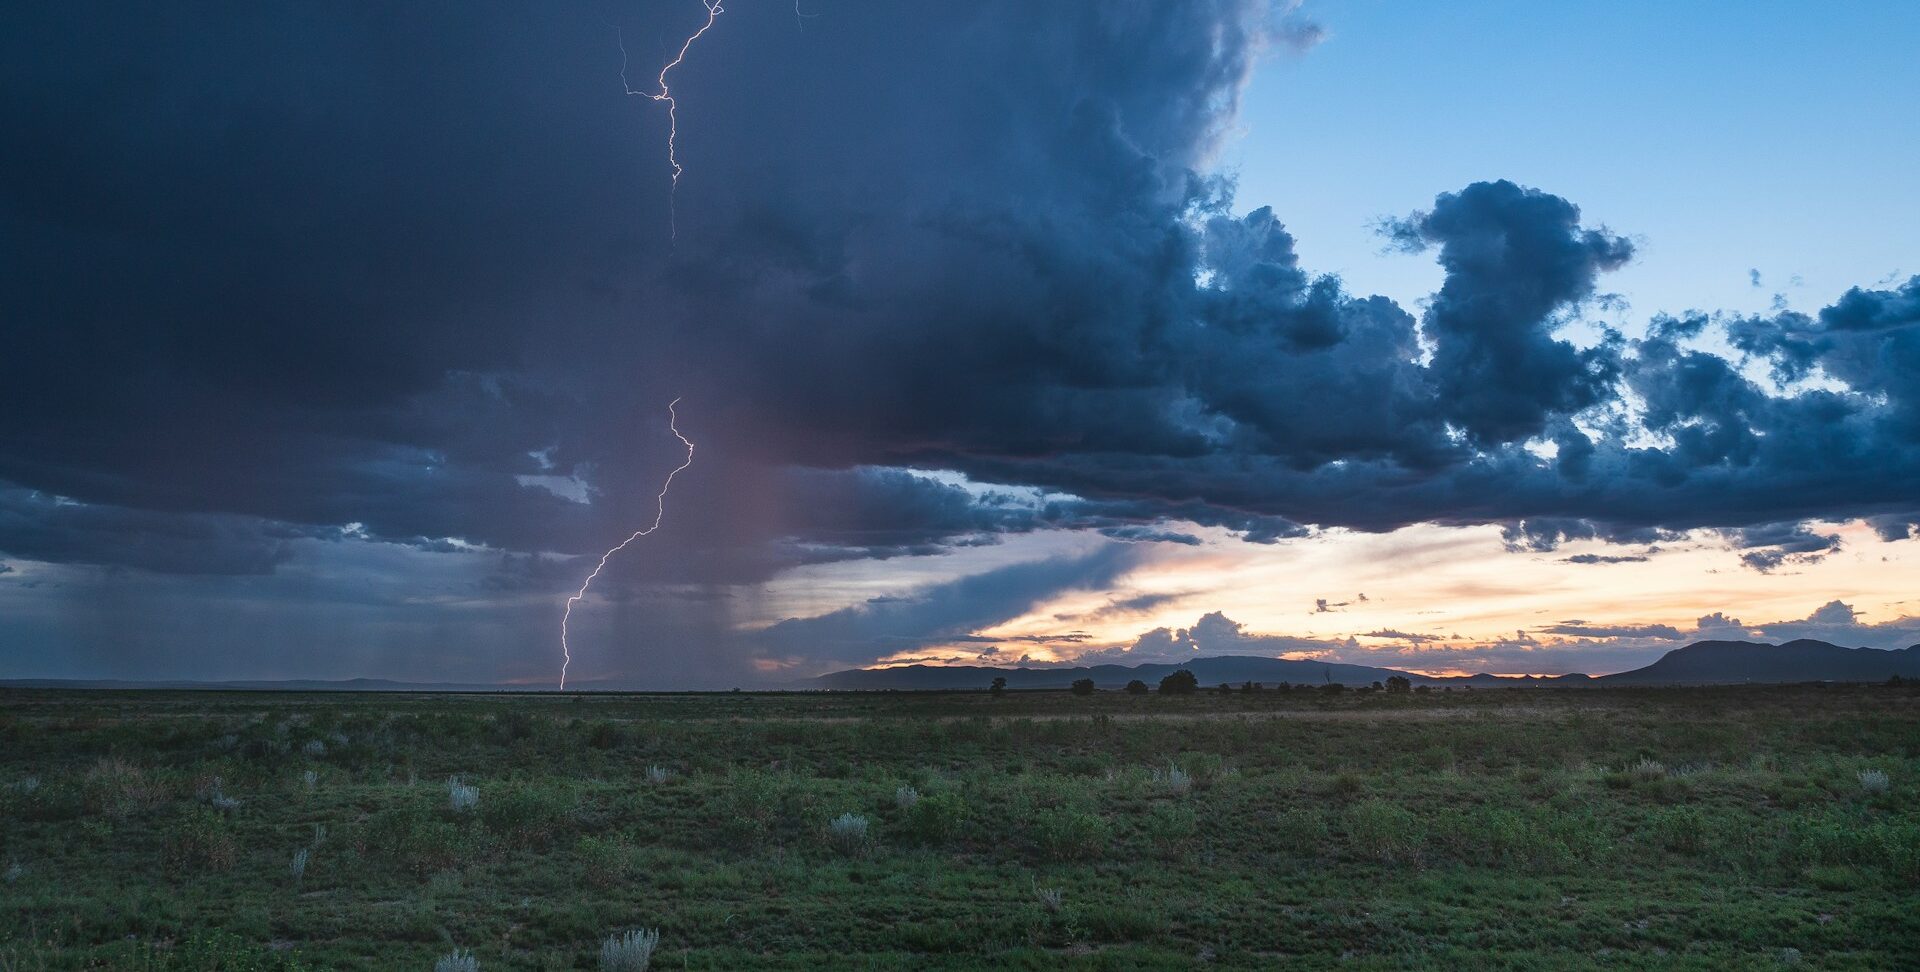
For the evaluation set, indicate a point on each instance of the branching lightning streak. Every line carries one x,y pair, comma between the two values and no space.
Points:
714,10
659,513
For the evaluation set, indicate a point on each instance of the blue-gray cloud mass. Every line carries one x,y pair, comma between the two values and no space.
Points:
342,274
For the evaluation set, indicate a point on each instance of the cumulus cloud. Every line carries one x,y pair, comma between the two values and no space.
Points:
1213,634
1568,646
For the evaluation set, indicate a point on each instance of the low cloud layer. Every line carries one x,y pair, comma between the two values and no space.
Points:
1551,649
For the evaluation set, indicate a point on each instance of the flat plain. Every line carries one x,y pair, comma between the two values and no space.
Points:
1704,828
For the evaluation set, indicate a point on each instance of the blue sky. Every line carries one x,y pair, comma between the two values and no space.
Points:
1723,137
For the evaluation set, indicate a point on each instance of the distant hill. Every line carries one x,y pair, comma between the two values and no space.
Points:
1210,671
1701,663
1806,660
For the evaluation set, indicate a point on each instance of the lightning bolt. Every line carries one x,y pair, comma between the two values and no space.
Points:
714,10
659,513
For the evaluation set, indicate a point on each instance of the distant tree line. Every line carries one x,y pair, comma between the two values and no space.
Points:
1184,682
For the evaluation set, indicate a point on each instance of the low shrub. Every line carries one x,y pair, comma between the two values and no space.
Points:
1171,828
1066,835
461,797
936,817
532,814
198,841
849,834
631,952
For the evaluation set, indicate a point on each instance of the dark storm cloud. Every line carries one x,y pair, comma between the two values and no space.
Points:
1514,257
1774,544
274,271
942,613
41,527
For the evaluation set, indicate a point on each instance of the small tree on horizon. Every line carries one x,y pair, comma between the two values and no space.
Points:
999,686
1181,682
1136,687
1083,686
1399,683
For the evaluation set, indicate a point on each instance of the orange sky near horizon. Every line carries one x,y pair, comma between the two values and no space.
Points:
1458,588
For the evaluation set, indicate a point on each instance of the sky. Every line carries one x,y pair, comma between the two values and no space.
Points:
1495,337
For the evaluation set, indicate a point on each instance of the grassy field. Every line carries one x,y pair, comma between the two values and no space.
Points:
1537,829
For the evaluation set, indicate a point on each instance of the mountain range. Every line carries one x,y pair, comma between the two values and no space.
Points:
1701,663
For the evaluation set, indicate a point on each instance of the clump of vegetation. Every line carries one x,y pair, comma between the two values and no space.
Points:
1171,828
936,817
458,960
198,841
657,775
1070,835
300,864
1050,898
905,797
631,952
848,833
1874,782
1083,686
530,813
461,797
117,789
1173,780
1180,682
1647,770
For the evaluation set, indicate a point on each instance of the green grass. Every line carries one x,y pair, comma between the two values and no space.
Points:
1515,829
